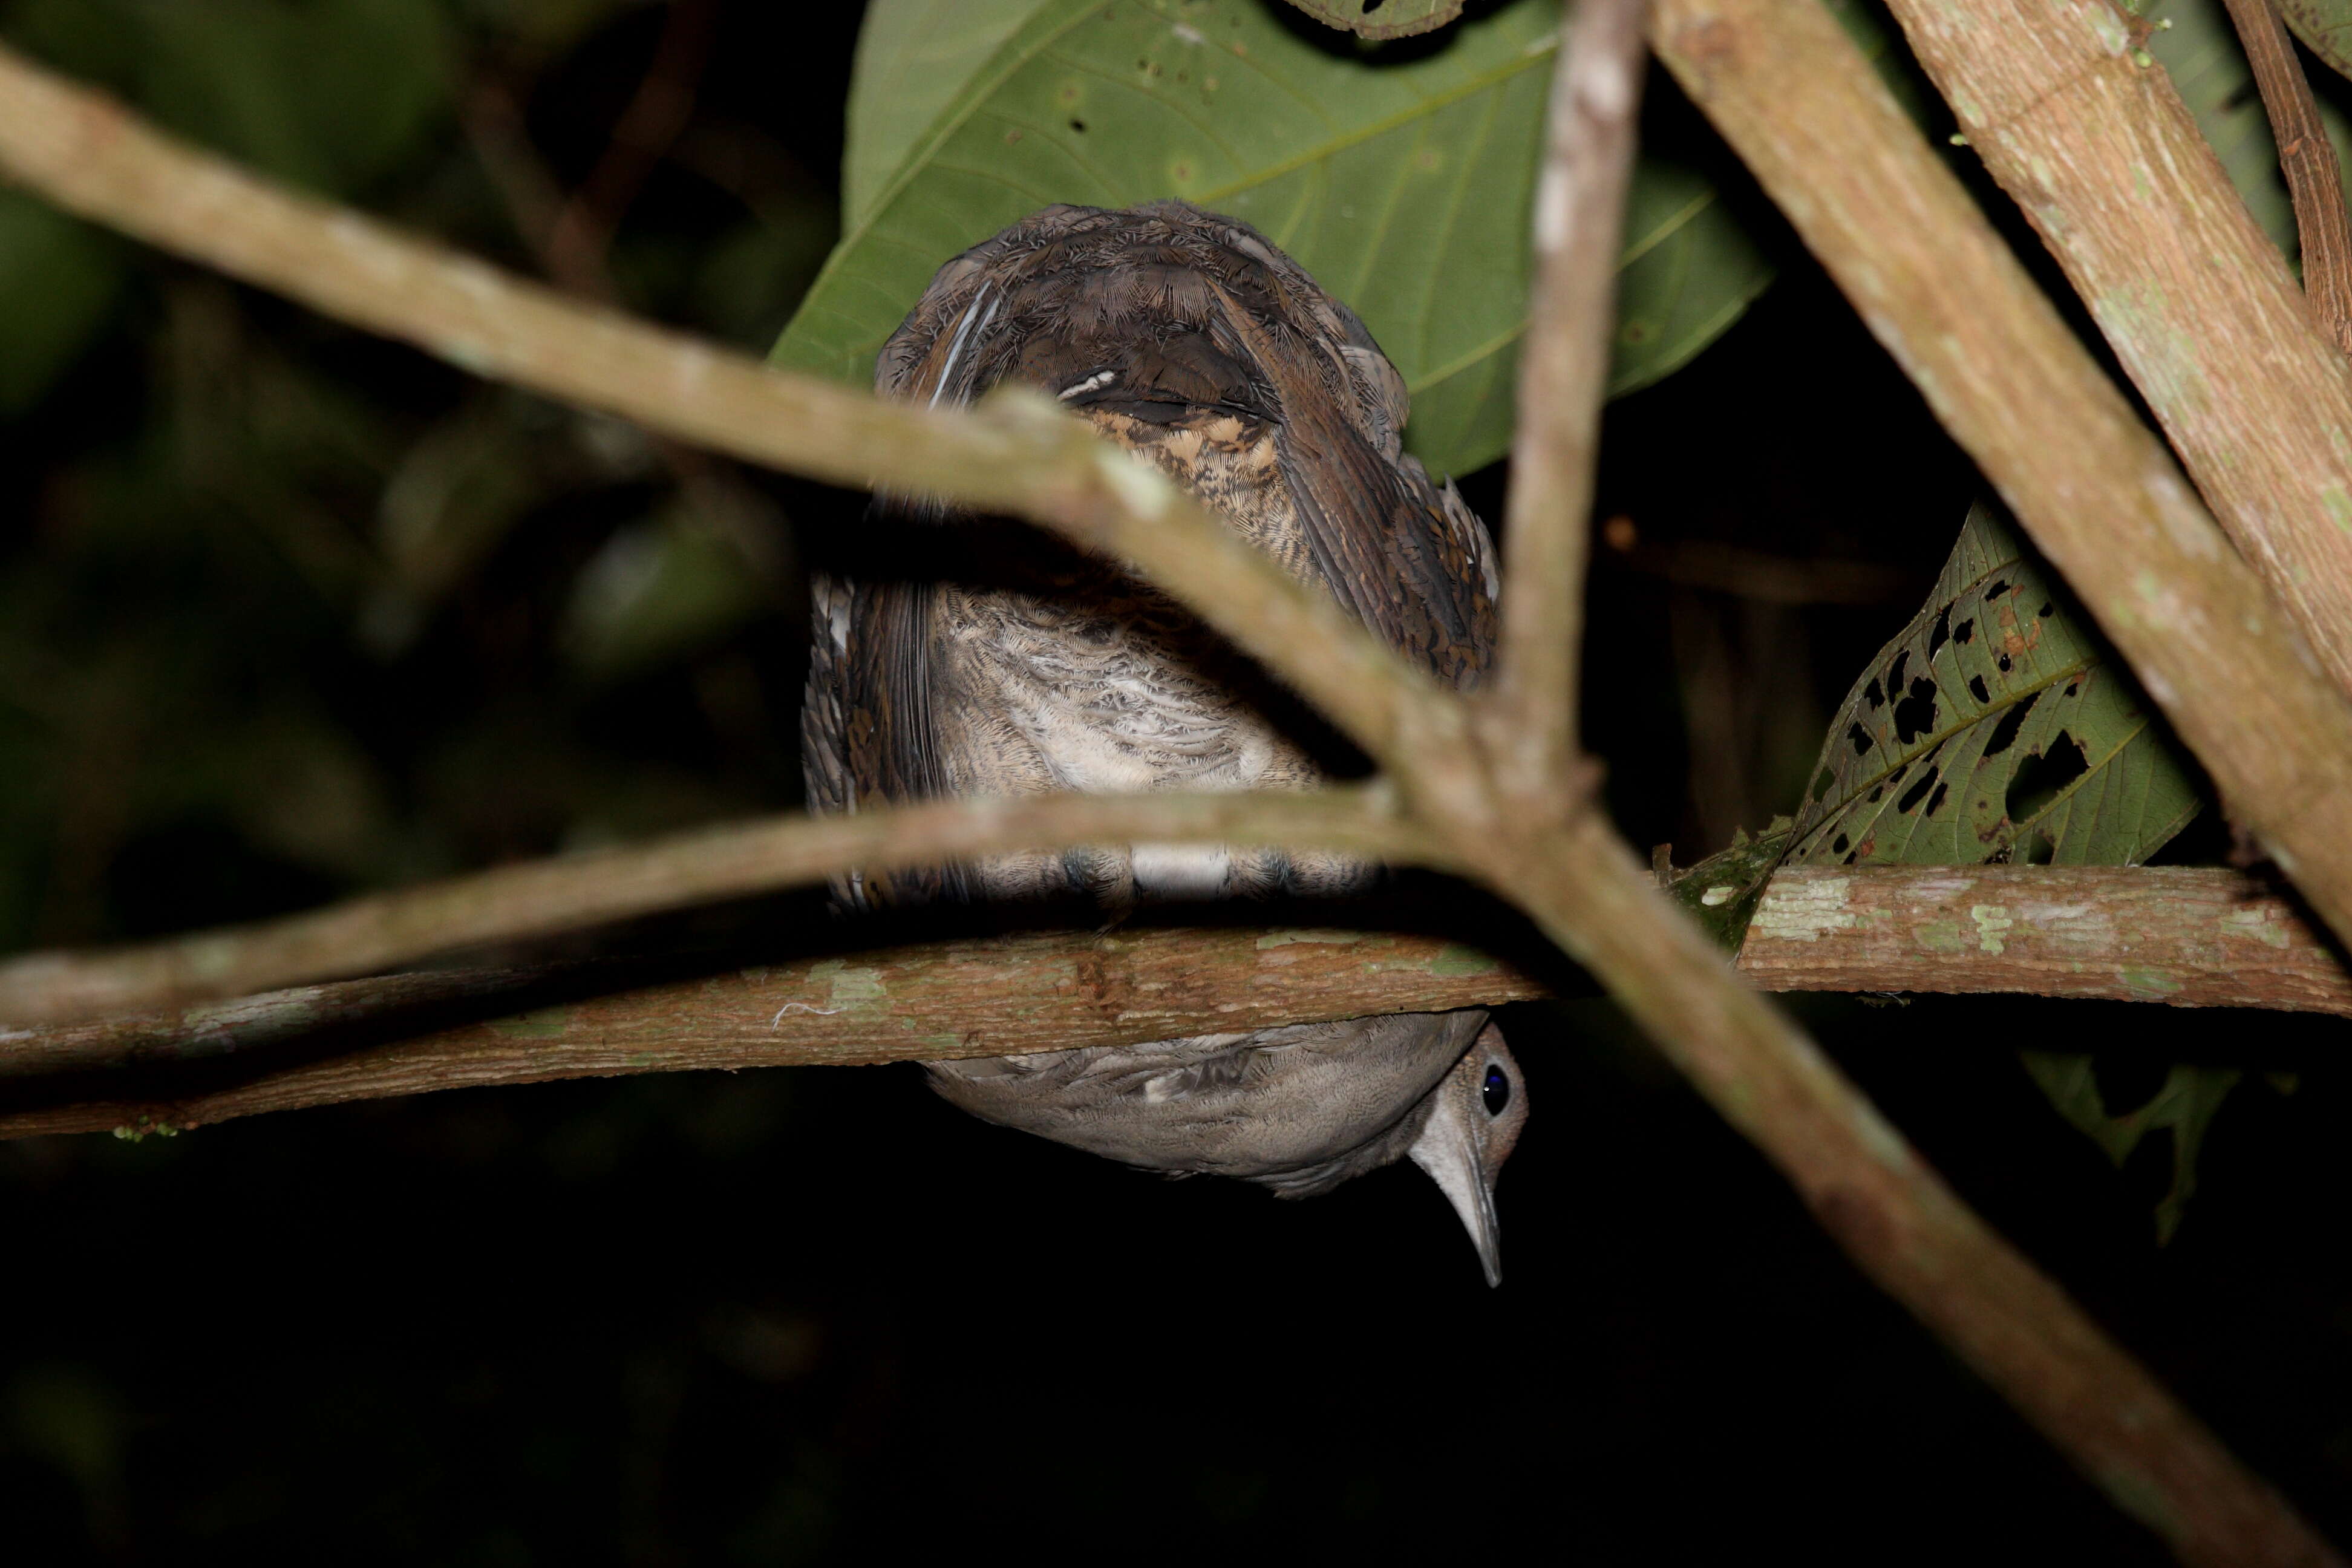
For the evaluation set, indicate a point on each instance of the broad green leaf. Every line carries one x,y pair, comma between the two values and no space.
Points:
1382,19
1995,728
2187,1103
1404,185
58,279
1999,728
913,57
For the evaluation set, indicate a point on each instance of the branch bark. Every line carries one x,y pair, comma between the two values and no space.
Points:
2087,135
2192,938
1596,94
2307,159
384,929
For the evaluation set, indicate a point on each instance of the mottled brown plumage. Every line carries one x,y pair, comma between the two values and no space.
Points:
1021,669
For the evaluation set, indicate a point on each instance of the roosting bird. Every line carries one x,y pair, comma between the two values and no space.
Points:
1021,668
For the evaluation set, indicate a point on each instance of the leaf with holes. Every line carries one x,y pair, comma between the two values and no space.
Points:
1996,727
1382,19
1402,177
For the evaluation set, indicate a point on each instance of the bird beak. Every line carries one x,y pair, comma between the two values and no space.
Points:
1449,1151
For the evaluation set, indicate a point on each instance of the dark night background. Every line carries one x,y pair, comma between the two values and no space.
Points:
784,1317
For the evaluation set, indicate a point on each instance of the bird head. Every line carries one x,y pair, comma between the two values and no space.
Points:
1475,1119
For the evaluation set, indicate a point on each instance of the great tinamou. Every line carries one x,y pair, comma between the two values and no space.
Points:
1021,667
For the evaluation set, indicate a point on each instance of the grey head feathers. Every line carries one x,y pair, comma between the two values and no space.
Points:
1018,668
1472,1123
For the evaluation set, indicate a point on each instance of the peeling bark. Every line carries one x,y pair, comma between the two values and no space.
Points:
2183,935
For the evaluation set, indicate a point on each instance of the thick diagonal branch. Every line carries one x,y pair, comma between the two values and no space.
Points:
382,930
1580,222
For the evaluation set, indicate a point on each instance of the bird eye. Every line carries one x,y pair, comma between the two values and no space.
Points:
1497,1090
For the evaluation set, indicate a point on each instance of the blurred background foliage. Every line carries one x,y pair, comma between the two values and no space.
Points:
288,613
291,612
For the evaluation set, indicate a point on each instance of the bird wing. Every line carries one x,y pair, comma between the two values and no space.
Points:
1417,570
866,720
1190,338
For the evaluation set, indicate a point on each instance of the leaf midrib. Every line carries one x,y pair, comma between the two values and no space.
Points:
1936,739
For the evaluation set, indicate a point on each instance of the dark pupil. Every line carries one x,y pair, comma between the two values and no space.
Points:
1498,1090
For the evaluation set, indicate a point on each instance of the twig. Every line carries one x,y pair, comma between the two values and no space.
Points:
2085,133
495,129
382,930
1580,216
2307,158
571,241
2192,938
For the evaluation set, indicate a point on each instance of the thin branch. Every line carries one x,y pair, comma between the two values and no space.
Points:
2192,938
383,930
2095,489
1018,453
2307,158
1563,366
2086,134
